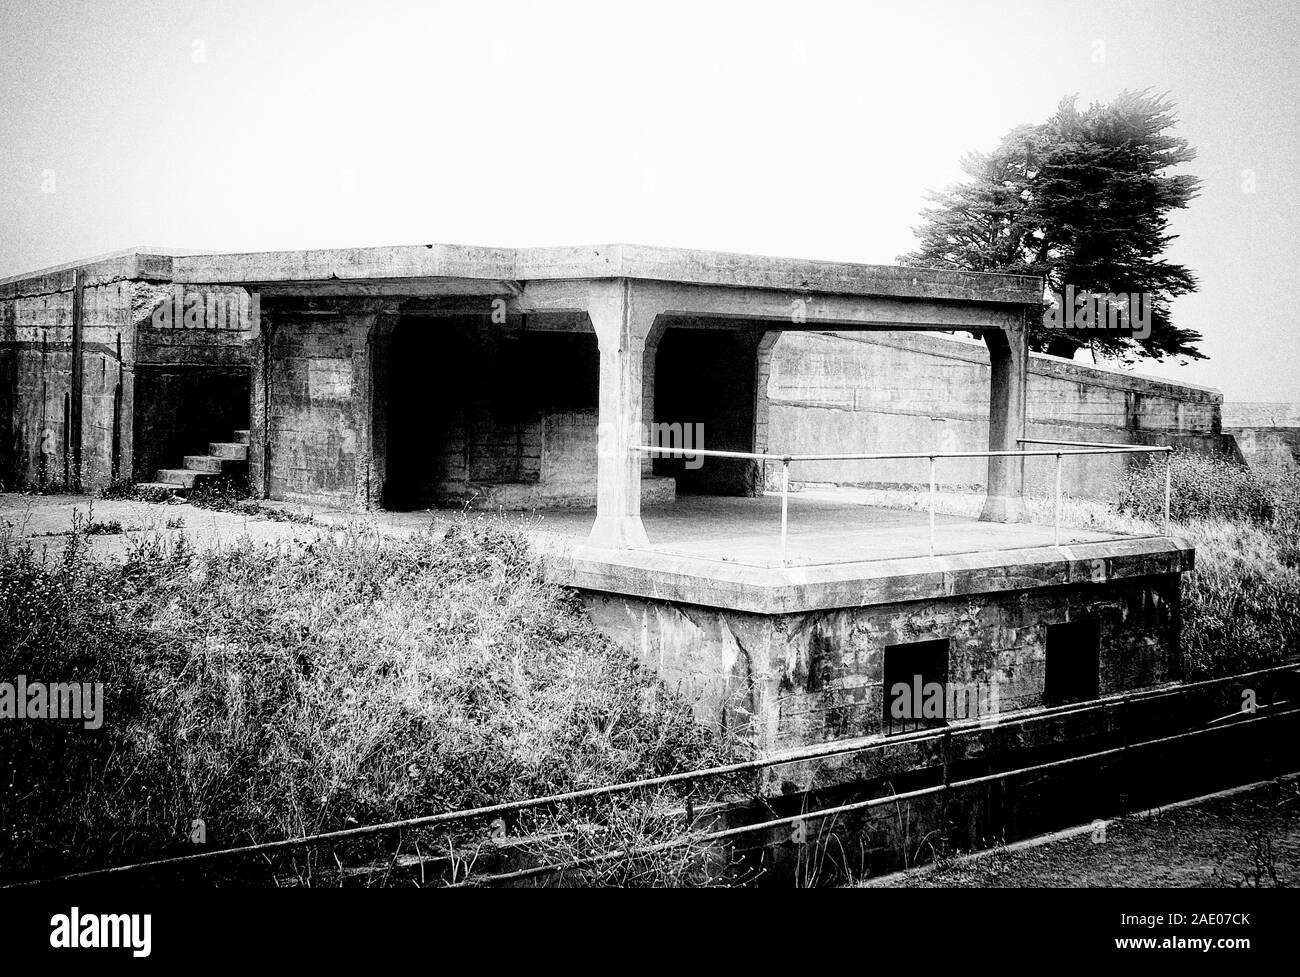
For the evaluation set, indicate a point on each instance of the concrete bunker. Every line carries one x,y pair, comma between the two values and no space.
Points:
532,378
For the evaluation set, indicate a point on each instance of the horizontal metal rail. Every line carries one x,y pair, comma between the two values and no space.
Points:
804,817
1066,448
820,751
894,455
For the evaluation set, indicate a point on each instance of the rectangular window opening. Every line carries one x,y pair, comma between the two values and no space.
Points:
916,686
1073,663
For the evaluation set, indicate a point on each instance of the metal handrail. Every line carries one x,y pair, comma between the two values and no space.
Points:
1064,448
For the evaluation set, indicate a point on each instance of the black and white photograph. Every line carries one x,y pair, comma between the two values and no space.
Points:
543,447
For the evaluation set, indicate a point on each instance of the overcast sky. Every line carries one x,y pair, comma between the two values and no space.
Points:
801,128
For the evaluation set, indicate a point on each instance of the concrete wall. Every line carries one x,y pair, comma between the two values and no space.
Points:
36,317
311,411
894,391
481,413
793,679
1266,433
124,354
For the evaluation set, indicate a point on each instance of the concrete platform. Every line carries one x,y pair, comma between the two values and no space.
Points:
784,656
825,530
825,527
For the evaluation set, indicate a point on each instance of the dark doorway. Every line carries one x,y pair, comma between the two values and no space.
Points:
179,408
704,391
471,405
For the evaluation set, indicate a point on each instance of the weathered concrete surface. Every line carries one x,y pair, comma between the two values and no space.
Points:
1266,434
385,265
660,574
46,522
827,527
306,445
168,390
327,426
788,657
895,391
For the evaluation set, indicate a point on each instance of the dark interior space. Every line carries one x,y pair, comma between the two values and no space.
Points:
1073,663
467,400
918,665
180,408
704,388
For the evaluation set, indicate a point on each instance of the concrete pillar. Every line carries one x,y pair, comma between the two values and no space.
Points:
259,408
1008,380
621,331
370,333
650,364
380,342
768,476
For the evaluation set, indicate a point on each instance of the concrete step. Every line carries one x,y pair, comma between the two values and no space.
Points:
179,476
229,450
203,463
170,488
241,437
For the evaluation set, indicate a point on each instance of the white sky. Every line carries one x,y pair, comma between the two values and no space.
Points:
804,129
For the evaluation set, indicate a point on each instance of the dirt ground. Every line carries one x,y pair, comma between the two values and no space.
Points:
1244,839
46,521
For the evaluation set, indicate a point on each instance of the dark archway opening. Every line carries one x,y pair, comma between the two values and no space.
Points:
704,397
481,413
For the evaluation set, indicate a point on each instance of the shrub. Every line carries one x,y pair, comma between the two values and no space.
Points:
1202,487
1241,603
280,691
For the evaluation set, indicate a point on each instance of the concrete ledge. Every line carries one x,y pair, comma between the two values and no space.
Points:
434,261
102,270
660,576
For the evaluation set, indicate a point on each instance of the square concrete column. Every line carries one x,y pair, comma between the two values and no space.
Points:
621,331
370,334
260,338
1008,381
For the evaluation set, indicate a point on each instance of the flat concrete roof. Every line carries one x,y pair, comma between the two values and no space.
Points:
412,264
604,261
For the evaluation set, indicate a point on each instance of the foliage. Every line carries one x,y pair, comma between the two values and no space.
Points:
1082,199
276,691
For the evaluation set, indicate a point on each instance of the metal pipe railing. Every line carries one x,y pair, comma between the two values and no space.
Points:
1063,448
1165,449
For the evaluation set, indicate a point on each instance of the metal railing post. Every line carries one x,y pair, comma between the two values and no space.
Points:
932,505
1169,470
785,506
1056,518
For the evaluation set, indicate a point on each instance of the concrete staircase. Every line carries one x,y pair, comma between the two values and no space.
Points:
225,459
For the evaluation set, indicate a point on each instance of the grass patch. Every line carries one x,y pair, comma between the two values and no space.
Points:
1241,603
276,691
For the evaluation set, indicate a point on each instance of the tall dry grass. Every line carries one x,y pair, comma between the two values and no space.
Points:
280,691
